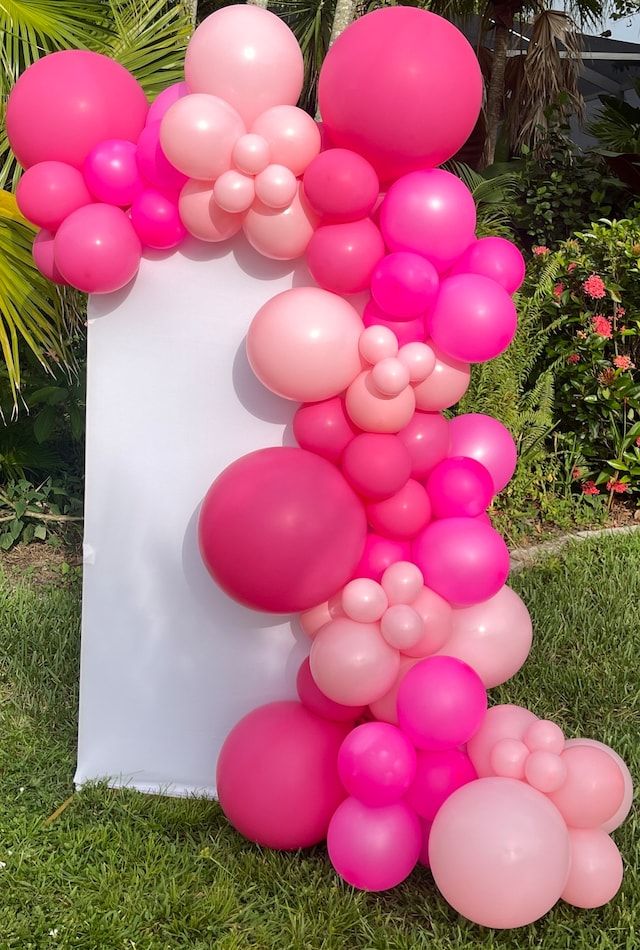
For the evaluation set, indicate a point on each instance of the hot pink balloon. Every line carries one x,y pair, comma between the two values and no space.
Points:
427,440
97,250
280,234
437,616
594,788
324,428
596,869
351,662
341,185
402,515
49,192
153,164
197,134
292,135
234,192
111,172
364,600
342,257
459,487
202,217
504,721
376,764
627,800
276,186
156,220
486,440
404,285
44,257
438,775
371,410
406,331
316,702
378,554
424,851
474,319
446,385
376,465
165,100
496,258
385,709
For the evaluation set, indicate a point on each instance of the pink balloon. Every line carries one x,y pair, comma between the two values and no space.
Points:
486,440
303,344
67,102
364,600
402,87
376,465
402,515
374,849
390,376
462,559
371,410
324,428
438,775
404,285
426,438
111,172
544,736
280,234
402,582
165,100
429,212
276,186
441,703
459,488
197,134
424,851
153,164
496,258
156,220
44,259
234,192
437,617
316,617
49,192
508,758
292,135
97,250
474,319
593,790
447,383
342,257
280,530
378,343
494,637
545,771
499,852
202,217
386,708
376,764
251,154
501,722
351,663
402,626
627,800
405,331
420,360
378,554
596,869
316,702
294,753
341,185
247,56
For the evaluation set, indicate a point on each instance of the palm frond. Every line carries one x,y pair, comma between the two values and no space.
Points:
494,198
617,126
311,22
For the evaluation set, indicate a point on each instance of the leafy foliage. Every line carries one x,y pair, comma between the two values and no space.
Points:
29,512
494,197
617,125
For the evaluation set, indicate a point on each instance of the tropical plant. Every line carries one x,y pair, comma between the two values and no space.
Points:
494,196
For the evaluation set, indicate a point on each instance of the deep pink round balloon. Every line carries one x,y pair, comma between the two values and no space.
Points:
462,559
496,258
376,763
156,220
281,530
324,428
376,464
441,703
404,285
426,438
406,331
111,172
44,258
277,776
164,100
379,553
342,257
153,164
341,185
49,192
438,775
486,440
402,87
97,250
402,515
459,488
474,319
312,697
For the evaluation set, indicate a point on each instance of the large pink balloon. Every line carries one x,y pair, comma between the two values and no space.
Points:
315,700
500,852
438,775
67,102
426,438
351,662
49,192
202,217
281,530
247,56
593,790
403,514
596,868
277,777
197,134
282,234
342,257
97,250
376,763
486,440
341,185
404,285
447,383
474,319
459,487
493,257
402,87
324,428
303,344
627,800
376,464
504,721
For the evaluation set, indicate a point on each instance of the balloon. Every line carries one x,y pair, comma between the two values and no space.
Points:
351,663
251,154
402,515
594,788
378,554
378,343
67,102
419,359
405,331
316,617
277,778
111,172
436,616
376,764
165,100
197,134
499,852
426,438
474,319
276,186
446,385
316,702
342,257
234,192
545,771
430,212
486,440
438,775
280,530
463,560
402,626
508,758
44,259
364,600
390,376
504,721
625,806
496,258
404,285
303,344
424,851
441,703
544,736
292,135
372,411
247,56
202,217
494,637
49,192
153,164
156,220
97,250
402,582
324,428
376,465
280,234
402,87
459,488
596,868
385,708
374,849
341,185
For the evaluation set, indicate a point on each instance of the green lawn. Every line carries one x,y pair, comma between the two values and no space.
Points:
120,870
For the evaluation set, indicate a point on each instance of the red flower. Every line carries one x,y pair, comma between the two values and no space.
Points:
623,362
601,326
573,358
594,287
558,290
571,267
539,250
576,473
620,312
618,488
590,488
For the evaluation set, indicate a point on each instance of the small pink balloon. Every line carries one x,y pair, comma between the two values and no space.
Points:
316,702
436,615
378,343
426,438
404,285
486,440
341,185
424,851
198,133
370,410
627,800
282,234
496,258
545,771
593,790
251,154
596,869
49,192
385,709
438,775
324,428
364,600
405,331
390,376
97,250
474,319
376,764
203,217
402,626
111,172
164,100
402,582
316,617
459,488
43,256
402,515
234,192
379,553
445,386
508,758
153,164
419,359
276,186
292,135
342,257
544,736
351,663
504,721
156,220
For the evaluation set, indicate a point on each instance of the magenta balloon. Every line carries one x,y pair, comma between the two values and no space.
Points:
97,250
44,257
438,775
403,515
441,703
406,331
627,801
486,440
404,285
277,777
376,464
341,185
504,721
153,164
431,213
374,849
156,220
316,702
378,554
111,172
596,869
474,319
163,102
496,258
342,257
402,87
463,560
593,790
66,103
324,428
376,763
459,488
426,438
49,192
280,530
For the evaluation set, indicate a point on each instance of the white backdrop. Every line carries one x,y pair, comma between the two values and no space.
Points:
169,663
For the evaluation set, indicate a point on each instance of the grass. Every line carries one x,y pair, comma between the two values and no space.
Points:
120,871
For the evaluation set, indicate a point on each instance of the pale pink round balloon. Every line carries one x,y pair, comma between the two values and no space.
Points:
293,136
596,868
43,256
251,154
364,600
386,708
445,386
373,412
317,617
545,771
203,217
390,376
504,721
97,250
303,344
496,258
485,439
378,343
627,801
276,186
508,758
594,788
419,359
281,234
49,192
402,582
426,438
234,192
402,626
351,662
198,133
436,615
544,736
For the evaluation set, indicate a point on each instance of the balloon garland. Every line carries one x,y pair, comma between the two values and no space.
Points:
375,530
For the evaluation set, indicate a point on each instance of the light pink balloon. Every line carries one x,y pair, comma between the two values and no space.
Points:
508,758
419,359
504,721
341,185
97,250
378,554
314,700
378,343
370,410
316,617
198,133
627,801
545,771
282,235
403,514
544,736
43,256
303,344
485,439
402,626
153,164
594,788
111,172
165,100
48,192
364,600
436,615
234,192
426,438
293,136
251,154
342,257
405,331
376,763
386,708
500,853
596,868
390,376
276,186
402,582
496,258
156,220
202,217
445,386
351,663
473,319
